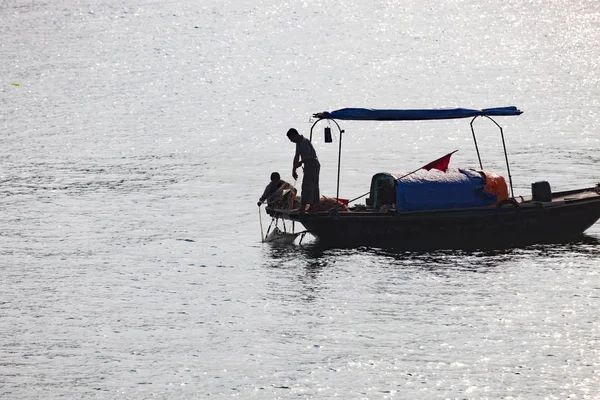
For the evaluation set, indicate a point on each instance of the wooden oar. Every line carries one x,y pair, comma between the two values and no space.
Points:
262,235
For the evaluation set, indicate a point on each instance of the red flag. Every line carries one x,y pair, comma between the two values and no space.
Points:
441,163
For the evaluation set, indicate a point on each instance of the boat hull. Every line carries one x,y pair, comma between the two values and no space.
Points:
511,224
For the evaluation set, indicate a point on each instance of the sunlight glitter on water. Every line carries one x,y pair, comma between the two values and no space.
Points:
139,137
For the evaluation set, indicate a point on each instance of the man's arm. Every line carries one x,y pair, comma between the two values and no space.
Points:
265,195
296,164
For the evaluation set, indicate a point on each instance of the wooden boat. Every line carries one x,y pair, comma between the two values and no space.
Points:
540,217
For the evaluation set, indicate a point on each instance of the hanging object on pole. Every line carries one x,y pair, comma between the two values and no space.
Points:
328,138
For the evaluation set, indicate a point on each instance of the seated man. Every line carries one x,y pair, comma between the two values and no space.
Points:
278,193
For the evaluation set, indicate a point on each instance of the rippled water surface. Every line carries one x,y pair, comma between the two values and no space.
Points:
137,137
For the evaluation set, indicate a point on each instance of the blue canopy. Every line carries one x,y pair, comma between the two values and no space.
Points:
368,114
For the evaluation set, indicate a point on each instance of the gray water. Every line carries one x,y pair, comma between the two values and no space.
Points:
138,136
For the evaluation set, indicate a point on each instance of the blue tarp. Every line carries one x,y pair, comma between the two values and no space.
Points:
436,190
368,114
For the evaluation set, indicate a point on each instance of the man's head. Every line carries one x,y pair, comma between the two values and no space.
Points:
275,177
293,135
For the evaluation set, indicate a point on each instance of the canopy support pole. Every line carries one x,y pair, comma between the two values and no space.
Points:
512,192
337,192
475,140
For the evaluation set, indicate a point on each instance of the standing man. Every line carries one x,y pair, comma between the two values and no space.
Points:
306,155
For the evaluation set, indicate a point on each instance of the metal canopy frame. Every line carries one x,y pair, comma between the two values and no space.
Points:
324,116
503,146
341,131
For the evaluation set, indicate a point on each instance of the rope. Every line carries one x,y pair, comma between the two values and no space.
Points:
293,195
356,198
